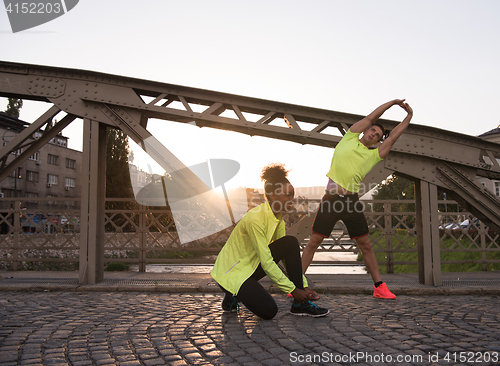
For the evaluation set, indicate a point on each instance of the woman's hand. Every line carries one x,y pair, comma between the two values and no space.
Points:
313,294
302,296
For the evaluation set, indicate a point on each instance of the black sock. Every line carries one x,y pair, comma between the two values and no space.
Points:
379,283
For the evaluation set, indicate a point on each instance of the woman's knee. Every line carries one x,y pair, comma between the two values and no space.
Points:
269,312
293,242
284,246
289,241
263,306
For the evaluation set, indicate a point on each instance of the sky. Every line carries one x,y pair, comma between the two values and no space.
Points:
347,56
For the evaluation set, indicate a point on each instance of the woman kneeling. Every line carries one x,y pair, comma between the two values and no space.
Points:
256,245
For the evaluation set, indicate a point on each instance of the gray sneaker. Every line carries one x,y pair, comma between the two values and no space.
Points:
308,309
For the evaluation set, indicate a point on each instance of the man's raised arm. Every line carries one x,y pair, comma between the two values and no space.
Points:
386,146
366,122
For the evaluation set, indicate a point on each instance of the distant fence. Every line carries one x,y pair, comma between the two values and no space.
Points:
49,238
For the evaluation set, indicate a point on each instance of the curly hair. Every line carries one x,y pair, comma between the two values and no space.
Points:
274,177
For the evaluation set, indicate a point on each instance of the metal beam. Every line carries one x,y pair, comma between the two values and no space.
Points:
429,261
28,132
93,203
35,146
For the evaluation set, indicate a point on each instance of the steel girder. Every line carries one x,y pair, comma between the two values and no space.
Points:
104,98
128,103
24,141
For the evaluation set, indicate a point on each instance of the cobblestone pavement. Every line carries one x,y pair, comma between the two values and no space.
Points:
134,328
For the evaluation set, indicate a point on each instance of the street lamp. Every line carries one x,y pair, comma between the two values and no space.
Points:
15,156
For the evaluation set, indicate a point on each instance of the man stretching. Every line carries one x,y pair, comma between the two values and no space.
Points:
352,160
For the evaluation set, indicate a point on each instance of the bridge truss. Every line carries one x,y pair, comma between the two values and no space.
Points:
429,156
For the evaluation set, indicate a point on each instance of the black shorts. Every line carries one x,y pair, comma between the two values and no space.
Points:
347,208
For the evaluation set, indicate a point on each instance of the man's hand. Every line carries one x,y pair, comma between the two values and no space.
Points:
366,122
402,104
407,108
399,102
386,146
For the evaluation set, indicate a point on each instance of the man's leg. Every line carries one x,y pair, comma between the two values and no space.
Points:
369,258
325,220
380,289
307,255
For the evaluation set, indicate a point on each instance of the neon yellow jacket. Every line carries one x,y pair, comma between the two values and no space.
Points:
247,246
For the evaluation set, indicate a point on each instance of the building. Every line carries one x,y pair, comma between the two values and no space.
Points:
138,177
53,171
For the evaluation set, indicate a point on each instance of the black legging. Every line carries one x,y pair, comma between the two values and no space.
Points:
254,296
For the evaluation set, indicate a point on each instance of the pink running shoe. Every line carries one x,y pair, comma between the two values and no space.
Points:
382,292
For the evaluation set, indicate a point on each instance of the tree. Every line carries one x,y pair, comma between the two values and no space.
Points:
14,107
396,188
118,184
399,188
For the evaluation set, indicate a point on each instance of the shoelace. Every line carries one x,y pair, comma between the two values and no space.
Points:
234,304
312,305
307,304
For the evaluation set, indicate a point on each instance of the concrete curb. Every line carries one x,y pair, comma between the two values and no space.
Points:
428,291
454,284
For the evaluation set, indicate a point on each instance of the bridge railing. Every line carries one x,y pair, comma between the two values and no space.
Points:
49,238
